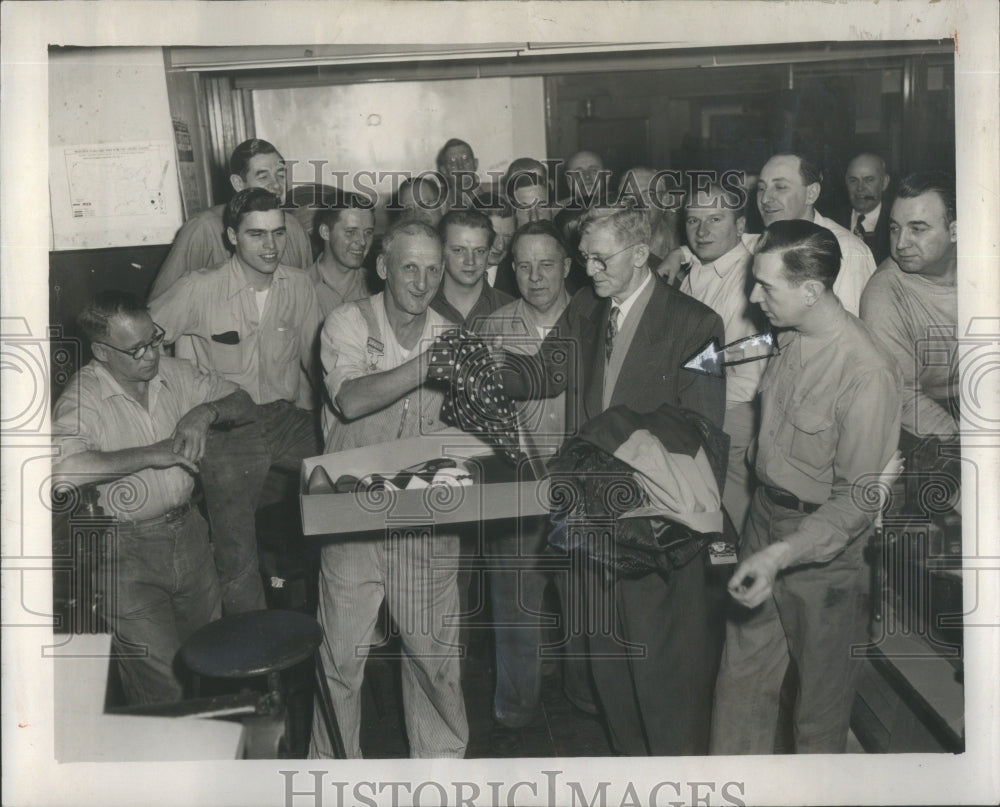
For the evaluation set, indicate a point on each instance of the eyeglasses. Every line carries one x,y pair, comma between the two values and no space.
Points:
602,263
140,351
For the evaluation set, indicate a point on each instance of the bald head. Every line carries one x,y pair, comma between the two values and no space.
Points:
866,180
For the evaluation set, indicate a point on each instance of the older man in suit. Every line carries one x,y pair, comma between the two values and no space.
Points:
868,214
633,335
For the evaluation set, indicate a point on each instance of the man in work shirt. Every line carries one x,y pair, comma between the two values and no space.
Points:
829,422
254,321
464,295
138,421
718,277
347,231
371,351
541,264
201,242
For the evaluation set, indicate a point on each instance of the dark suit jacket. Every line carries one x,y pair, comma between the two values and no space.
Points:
877,241
674,327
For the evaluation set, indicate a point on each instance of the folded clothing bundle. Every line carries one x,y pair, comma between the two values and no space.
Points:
440,471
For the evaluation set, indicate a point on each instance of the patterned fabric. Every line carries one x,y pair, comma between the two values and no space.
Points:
859,226
475,401
609,339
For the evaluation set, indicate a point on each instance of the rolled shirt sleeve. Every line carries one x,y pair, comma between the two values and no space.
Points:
342,348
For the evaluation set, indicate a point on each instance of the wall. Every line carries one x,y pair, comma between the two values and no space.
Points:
126,196
399,126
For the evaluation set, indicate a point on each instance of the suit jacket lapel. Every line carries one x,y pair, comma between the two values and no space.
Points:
650,332
593,351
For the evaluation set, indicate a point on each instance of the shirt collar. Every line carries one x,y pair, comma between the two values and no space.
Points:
871,217
724,264
628,302
237,281
110,387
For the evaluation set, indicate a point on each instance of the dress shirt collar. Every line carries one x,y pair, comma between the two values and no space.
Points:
626,305
871,219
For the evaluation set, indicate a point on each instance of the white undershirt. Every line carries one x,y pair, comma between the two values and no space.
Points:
261,299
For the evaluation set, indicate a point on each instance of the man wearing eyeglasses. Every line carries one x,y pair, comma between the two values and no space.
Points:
135,424
255,321
633,335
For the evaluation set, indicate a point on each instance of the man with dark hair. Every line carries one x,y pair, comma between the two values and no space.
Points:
372,352
254,321
526,185
138,422
718,276
787,189
420,198
499,270
464,295
829,423
911,302
457,165
634,334
201,242
867,215
541,263
347,230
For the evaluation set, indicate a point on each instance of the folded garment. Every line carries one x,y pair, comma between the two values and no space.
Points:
475,401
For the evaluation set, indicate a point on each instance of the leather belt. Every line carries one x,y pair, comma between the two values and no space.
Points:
173,514
783,498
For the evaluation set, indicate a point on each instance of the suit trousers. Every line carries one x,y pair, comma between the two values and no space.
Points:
653,659
817,612
414,572
233,472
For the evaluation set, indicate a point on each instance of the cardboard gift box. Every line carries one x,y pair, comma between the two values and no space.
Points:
498,489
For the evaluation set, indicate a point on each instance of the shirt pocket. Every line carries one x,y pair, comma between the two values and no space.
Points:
228,359
812,438
284,358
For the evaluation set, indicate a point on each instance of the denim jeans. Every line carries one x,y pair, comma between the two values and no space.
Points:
164,588
233,471
517,586
816,613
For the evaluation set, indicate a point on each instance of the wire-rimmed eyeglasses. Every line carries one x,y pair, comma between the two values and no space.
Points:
602,263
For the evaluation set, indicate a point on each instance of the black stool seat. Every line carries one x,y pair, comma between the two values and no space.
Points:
252,643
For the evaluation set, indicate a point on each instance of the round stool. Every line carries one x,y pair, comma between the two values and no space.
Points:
262,643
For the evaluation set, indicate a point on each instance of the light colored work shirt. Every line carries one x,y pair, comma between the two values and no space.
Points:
329,297
349,350
268,354
96,414
830,411
723,287
201,242
544,418
915,319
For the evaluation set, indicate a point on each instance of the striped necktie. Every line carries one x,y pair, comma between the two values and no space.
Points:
609,337
859,230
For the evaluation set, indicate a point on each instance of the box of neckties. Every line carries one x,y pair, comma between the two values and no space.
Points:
441,478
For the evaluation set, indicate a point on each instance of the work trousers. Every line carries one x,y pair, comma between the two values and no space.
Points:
517,587
741,426
164,588
414,572
233,471
817,612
